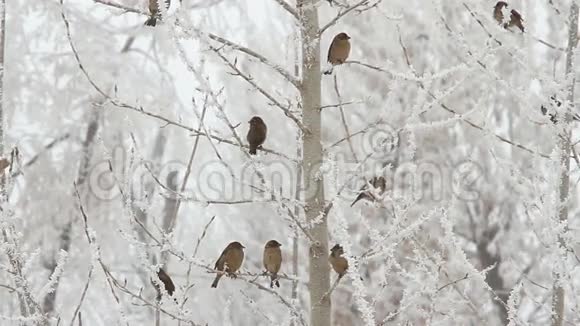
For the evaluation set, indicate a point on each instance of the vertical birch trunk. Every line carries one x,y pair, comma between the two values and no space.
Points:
312,160
558,303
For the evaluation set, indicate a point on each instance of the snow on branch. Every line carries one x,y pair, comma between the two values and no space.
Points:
288,8
345,12
258,56
261,90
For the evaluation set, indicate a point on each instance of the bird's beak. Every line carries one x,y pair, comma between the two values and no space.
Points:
348,37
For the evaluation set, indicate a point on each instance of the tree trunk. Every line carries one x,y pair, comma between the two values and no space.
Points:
312,155
565,150
2,43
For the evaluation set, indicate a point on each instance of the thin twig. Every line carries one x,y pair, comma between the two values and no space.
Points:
465,120
251,81
288,8
294,81
454,282
340,15
78,308
202,235
120,6
343,119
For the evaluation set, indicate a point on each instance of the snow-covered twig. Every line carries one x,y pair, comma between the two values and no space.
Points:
343,13
293,80
288,8
343,119
120,6
261,90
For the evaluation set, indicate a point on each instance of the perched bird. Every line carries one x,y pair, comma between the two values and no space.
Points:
497,11
368,194
229,262
338,51
257,134
554,102
167,283
273,261
515,20
4,163
339,263
155,12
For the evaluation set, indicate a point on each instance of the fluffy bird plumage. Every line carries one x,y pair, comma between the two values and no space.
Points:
378,183
338,263
155,12
257,134
229,261
167,284
515,20
273,261
498,13
338,51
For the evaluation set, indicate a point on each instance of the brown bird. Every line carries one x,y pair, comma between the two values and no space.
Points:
339,263
155,12
4,163
167,283
554,102
229,262
497,11
338,51
368,194
515,20
257,134
273,261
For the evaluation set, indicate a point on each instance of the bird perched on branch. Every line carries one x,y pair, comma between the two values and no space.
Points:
339,263
273,261
378,183
257,134
155,12
338,51
515,20
554,102
167,283
515,17
229,262
498,13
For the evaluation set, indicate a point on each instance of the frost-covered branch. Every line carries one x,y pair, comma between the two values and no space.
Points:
288,8
465,120
258,56
559,271
343,13
120,6
261,90
343,120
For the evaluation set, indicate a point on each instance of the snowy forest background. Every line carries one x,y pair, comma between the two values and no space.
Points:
127,154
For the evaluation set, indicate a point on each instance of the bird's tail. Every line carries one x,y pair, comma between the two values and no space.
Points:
253,150
152,21
359,197
274,280
215,281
